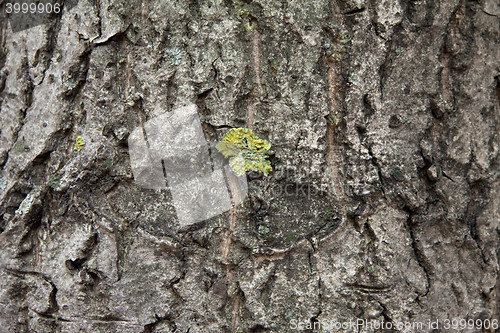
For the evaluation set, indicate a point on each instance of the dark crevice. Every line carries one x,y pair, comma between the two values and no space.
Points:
88,247
314,322
370,288
151,328
32,219
203,111
458,294
117,37
370,233
46,53
373,16
258,329
355,11
353,218
3,79
382,73
419,252
54,307
415,9
174,291
221,126
369,105
386,315
477,203
50,316
385,67
326,228
378,168
28,100
489,14
79,73
74,264
314,319
3,38
109,318
445,175
97,3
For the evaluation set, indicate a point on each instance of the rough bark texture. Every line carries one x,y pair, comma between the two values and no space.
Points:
383,202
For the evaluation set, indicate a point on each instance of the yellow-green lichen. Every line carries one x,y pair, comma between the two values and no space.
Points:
245,151
79,143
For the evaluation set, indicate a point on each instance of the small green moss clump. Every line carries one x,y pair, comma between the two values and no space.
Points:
20,147
53,182
107,164
245,152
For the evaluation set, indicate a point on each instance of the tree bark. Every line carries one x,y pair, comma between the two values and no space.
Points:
383,202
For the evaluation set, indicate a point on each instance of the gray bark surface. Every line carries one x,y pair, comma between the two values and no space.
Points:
383,202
